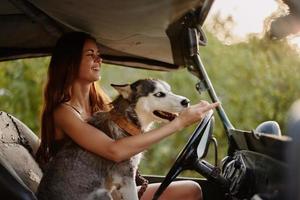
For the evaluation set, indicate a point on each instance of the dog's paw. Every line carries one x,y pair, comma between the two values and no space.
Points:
100,194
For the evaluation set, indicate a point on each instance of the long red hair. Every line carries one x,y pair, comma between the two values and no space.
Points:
62,71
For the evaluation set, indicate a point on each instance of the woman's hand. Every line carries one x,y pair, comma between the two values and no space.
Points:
194,113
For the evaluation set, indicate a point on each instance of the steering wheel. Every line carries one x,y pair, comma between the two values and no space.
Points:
188,158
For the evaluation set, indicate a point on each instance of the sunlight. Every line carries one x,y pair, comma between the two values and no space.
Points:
248,15
295,41
248,18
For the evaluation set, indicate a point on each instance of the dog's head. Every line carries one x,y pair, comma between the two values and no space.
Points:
153,100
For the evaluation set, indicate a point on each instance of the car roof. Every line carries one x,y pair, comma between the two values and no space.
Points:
135,33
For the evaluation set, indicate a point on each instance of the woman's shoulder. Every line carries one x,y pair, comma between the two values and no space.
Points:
64,112
61,109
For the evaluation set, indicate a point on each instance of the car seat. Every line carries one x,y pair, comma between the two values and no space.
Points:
19,172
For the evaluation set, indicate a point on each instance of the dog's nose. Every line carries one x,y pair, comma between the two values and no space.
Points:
185,102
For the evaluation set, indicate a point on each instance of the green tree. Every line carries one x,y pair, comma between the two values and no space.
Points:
21,84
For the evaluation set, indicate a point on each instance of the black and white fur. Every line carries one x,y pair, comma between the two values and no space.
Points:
87,176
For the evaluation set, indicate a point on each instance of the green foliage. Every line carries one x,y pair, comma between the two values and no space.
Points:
21,83
256,81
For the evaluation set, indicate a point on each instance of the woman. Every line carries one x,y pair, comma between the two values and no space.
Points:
72,96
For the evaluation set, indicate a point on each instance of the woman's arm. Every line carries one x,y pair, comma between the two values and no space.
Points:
94,140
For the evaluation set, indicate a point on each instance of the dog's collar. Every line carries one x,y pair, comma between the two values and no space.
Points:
124,124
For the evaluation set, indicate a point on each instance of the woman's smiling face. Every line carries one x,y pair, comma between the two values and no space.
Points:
89,69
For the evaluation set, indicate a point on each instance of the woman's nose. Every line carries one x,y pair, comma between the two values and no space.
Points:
98,59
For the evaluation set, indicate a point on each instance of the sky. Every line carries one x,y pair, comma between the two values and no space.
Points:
248,15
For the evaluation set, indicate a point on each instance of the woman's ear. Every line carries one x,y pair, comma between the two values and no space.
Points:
123,90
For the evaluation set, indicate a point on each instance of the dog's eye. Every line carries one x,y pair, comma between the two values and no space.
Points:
159,94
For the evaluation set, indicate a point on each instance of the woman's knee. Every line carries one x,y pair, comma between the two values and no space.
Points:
178,190
195,190
190,190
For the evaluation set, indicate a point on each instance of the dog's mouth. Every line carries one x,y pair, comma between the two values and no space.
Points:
164,115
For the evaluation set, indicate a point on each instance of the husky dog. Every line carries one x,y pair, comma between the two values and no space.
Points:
92,177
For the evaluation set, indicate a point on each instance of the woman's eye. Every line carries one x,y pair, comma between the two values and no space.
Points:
94,56
159,94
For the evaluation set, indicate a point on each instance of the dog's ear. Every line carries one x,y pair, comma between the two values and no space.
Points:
123,90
